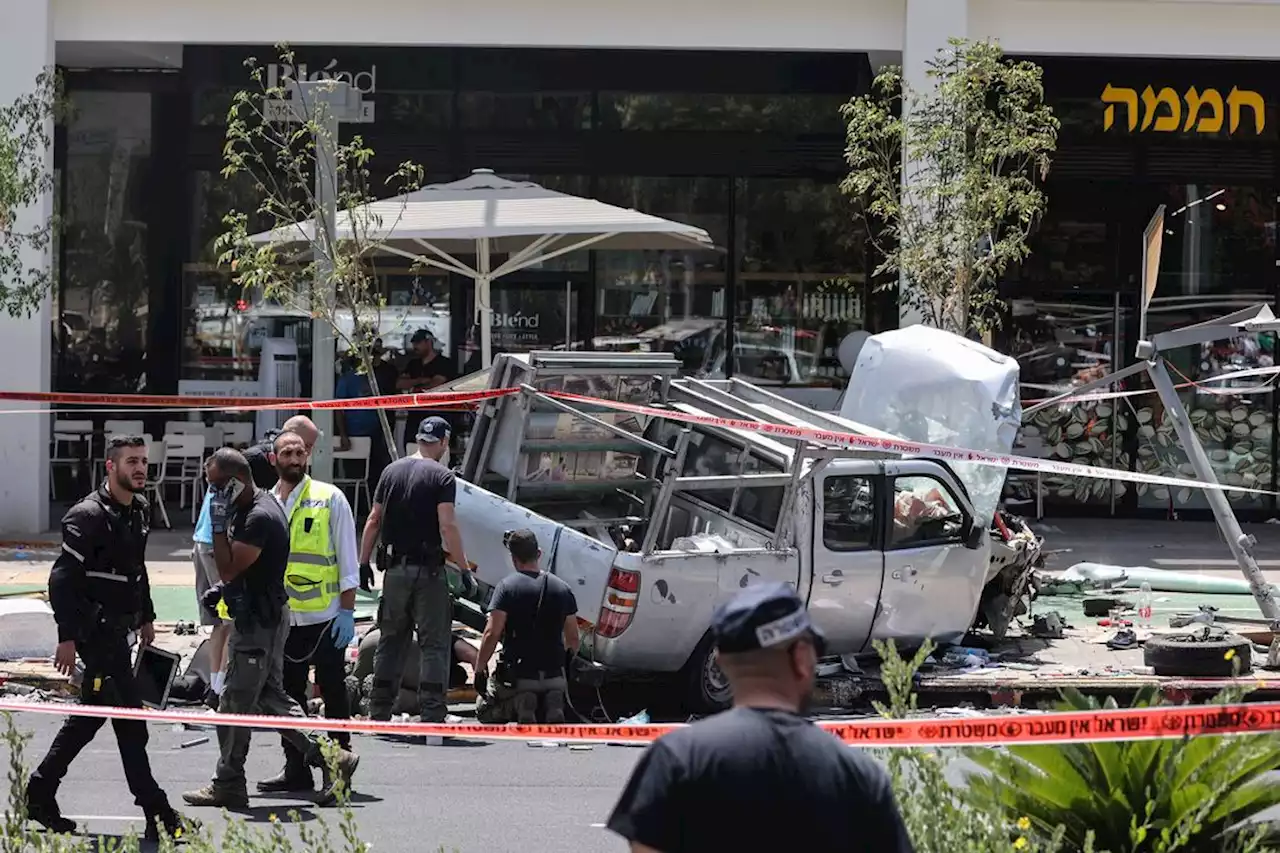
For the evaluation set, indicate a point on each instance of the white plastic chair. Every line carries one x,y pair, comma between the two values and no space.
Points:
157,461
74,439
236,433
358,455
186,452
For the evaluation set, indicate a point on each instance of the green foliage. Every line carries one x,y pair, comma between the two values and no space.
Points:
26,177
274,142
938,815
976,145
1135,796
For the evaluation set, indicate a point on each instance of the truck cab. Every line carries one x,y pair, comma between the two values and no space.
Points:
660,498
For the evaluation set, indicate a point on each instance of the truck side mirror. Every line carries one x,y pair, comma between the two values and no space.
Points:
973,538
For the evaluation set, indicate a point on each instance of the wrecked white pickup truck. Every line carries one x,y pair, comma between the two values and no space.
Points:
653,521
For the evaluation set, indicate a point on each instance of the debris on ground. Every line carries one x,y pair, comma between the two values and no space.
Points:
1049,626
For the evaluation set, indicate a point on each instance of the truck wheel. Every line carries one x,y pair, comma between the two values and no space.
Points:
1198,655
707,690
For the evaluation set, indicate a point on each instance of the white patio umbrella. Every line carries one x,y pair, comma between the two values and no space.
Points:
485,215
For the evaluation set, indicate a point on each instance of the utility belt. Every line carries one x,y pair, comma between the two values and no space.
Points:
101,622
253,608
430,557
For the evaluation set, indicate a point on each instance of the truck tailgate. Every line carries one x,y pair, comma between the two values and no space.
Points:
581,561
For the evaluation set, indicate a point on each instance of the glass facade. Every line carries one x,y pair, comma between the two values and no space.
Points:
1074,299
746,145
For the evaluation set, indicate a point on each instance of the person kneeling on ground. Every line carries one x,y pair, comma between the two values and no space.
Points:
535,615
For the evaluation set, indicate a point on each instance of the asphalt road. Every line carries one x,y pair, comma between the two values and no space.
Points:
483,798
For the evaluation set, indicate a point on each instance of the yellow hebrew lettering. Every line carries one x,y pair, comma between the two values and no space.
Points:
1245,98
1208,124
1151,102
1112,95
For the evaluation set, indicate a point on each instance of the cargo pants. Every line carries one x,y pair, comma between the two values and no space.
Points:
518,702
255,685
414,596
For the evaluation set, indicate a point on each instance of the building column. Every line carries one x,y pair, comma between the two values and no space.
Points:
929,24
26,49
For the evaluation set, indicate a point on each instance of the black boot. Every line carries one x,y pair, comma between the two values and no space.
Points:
42,807
295,778
161,818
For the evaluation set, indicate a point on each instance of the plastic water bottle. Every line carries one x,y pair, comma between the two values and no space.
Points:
1144,605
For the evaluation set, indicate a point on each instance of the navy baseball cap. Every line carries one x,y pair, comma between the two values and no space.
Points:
433,429
763,616
422,335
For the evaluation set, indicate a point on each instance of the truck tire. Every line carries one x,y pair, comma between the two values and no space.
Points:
1195,655
706,689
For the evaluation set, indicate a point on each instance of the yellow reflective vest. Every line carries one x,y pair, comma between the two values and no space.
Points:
311,578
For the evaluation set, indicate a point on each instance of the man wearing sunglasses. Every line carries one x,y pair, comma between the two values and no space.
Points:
764,757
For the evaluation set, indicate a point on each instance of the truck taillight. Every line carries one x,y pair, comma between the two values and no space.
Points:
619,604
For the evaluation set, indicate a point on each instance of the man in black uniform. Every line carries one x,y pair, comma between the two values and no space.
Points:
100,594
535,615
413,510
251,550
427,370
783,777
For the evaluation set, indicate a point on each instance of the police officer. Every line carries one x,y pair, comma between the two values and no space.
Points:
535,615
321,581
413,509
251,551
771,763
100,594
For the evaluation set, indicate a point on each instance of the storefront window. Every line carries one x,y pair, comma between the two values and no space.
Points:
801,282
667,301
1069,246
1063,343
1233,420
564,111
669,111
104,308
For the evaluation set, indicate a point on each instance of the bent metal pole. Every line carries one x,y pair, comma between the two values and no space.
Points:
1240,543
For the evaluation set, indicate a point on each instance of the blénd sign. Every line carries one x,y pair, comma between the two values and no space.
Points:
364,82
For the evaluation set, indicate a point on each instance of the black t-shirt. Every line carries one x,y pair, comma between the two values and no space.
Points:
533,641
263,524
437,365
410,491
780,775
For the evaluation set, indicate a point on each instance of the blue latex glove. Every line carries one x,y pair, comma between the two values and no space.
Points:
218,503
343,628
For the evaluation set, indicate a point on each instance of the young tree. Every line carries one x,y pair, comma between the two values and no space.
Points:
25,177
273,141
950,178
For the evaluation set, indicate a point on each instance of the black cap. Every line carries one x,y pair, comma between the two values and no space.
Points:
433,429
422,335
763,616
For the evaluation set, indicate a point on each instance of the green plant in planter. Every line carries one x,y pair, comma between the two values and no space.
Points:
938,816
1135,796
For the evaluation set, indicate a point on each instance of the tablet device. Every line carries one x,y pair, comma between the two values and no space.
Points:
154,671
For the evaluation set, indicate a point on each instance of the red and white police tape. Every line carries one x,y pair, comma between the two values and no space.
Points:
451,399
1002,730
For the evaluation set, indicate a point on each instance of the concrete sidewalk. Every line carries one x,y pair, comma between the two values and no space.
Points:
1185,546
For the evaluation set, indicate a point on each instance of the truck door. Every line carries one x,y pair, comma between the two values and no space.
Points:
848,565
932,581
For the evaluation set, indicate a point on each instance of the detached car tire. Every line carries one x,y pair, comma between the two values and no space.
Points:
707,691
1218,656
